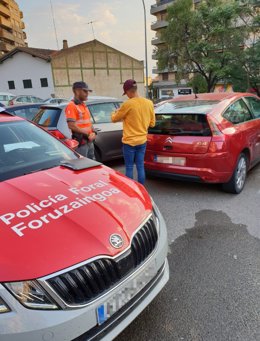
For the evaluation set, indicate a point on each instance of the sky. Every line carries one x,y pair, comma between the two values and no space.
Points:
118,23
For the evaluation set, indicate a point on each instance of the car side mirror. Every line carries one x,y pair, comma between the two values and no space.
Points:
73,144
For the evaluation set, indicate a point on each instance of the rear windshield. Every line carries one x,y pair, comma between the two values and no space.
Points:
47,117
192,106
181,125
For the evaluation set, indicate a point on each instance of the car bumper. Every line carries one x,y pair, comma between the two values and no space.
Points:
81,324
209,168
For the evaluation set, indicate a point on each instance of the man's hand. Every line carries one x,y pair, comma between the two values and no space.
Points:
91,137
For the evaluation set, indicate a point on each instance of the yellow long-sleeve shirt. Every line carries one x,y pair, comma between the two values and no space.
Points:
137,115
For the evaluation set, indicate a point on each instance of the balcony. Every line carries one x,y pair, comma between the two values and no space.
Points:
5,11
22,25
5,22
6,47
156,25
6,34
161,6
24,35
4,2
21,15
157,41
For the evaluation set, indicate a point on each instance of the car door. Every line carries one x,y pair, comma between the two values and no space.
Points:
108,142
254,105
246,131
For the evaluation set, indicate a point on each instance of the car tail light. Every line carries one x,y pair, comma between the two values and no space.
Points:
218,138
58,134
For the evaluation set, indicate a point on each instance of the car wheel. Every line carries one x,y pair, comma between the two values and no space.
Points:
238,179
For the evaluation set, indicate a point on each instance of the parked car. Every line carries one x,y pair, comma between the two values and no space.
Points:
62,276
108,143
27,111
55,100
25,99
211,138
5,97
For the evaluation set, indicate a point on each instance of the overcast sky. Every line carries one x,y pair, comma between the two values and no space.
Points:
119,23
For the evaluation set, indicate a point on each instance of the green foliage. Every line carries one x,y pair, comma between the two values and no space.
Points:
207,41
198,84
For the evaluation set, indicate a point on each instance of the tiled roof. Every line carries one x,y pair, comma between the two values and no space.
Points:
35,52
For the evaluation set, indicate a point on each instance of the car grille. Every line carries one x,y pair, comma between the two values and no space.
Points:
85,283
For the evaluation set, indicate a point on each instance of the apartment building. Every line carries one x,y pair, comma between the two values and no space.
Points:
165,84
11,26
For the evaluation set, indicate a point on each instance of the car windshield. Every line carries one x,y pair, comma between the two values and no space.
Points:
181,125
25,148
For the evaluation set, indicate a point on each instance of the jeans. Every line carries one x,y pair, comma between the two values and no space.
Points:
135,155
87,150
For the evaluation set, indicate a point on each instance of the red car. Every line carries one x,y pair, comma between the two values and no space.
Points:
83,248
211,138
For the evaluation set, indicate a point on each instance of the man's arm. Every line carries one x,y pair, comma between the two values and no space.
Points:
153,119
120,113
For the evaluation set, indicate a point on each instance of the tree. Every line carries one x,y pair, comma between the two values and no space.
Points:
205,41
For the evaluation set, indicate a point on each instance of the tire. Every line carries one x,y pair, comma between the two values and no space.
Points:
238,179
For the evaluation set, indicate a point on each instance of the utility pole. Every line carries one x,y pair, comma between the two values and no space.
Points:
146,49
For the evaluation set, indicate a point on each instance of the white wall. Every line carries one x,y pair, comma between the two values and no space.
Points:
23,66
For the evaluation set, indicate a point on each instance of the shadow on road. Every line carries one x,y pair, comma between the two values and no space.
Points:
213,293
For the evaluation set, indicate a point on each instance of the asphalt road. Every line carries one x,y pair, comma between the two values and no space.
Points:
214,256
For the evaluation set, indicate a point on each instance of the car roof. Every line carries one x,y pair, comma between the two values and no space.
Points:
213,96
96,101
21,106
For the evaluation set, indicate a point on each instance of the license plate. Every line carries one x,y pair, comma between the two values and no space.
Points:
177,161
125,294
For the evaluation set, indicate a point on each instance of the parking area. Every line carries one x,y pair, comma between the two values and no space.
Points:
214,247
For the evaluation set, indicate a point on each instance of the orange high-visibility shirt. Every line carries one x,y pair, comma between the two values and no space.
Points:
79,113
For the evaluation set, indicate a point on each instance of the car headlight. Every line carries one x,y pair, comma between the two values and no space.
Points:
31,295
3,307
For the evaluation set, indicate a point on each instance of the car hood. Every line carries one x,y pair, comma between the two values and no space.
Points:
57,218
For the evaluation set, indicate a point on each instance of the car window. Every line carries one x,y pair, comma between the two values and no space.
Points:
102,112
36,99
237,113
3,98
47,117
24,148
254,106
27,113
181,125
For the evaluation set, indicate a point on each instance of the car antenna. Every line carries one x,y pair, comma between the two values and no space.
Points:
195,92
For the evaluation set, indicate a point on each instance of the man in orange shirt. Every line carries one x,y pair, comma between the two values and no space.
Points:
79,120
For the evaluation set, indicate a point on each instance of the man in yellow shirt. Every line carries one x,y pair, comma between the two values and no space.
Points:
137,114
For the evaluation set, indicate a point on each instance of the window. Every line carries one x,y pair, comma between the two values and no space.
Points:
237,113
3,98
27,83
181,125
24,148
44,82
47,117
23,99
102,112
11,85
165,76
254,106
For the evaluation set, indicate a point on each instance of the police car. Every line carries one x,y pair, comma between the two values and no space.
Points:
83,248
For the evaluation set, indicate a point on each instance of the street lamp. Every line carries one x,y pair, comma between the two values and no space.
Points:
146,50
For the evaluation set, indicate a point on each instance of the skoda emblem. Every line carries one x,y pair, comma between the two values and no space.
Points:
116,241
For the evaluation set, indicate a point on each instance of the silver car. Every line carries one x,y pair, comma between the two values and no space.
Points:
108,145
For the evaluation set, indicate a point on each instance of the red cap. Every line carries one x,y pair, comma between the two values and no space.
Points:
129,84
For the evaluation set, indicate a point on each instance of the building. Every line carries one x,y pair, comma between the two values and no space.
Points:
11,26
42,72
104,68
27,71
165,83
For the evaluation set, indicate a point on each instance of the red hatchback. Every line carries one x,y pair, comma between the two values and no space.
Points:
211,138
